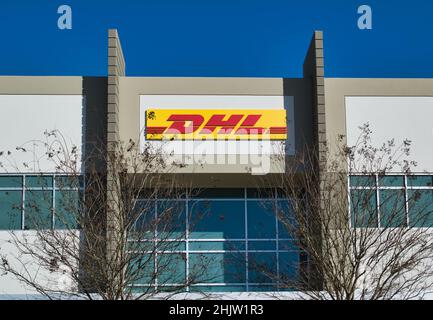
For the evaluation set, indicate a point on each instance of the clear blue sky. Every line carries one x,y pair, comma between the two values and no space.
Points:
252,38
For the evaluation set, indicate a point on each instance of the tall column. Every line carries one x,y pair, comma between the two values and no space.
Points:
116,237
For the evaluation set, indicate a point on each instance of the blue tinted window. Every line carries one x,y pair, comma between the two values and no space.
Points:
420,181
217,245
171,219
38,210
287,223
217,267
143,269
217,219
262,267
69,182
392,208
39,182
67,209
171,268
11,182
364,208
420,208
391,181
289,263
261,219
10,210
362,181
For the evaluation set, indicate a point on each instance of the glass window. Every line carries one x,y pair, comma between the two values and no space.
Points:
264,193
69,182
391,181
286,220
171,268
392,208
420,208
261,219
142,270
39,182
217,245
262,267
217,193
363,181
420,181
217,268
38,206
171,219
289,263
10,210
11,182
218,288
145,219
363,208
212,219
262,245
67,209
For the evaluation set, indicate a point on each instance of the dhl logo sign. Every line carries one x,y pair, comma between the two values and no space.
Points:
208,124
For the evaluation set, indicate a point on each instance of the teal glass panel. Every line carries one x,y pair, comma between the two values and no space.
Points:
420,208
263,288
217,267
287,224
289,245
165,245
262,267
218,288
420,181
217,245
261,219
67,210
69,182
391,181
11,182
143,218
289,263
144,289
39,182
171,219
142,270
171,268
217,219
10,210
392,207
38,210
363,208
217,193
262,245
265,193
363,181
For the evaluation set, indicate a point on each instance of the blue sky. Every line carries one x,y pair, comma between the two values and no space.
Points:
248,38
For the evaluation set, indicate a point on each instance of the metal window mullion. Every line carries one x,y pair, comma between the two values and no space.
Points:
187,241
155,244
53,202
378,201
277,247
247,280
406,201
23,216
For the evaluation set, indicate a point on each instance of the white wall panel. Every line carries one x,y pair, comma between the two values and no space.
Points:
25,118
396,118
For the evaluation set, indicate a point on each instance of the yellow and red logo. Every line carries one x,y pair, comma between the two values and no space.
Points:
206,124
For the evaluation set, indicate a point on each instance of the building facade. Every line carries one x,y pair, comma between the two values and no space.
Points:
229,133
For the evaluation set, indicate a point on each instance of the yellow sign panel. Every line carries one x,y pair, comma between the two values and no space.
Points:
211,124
